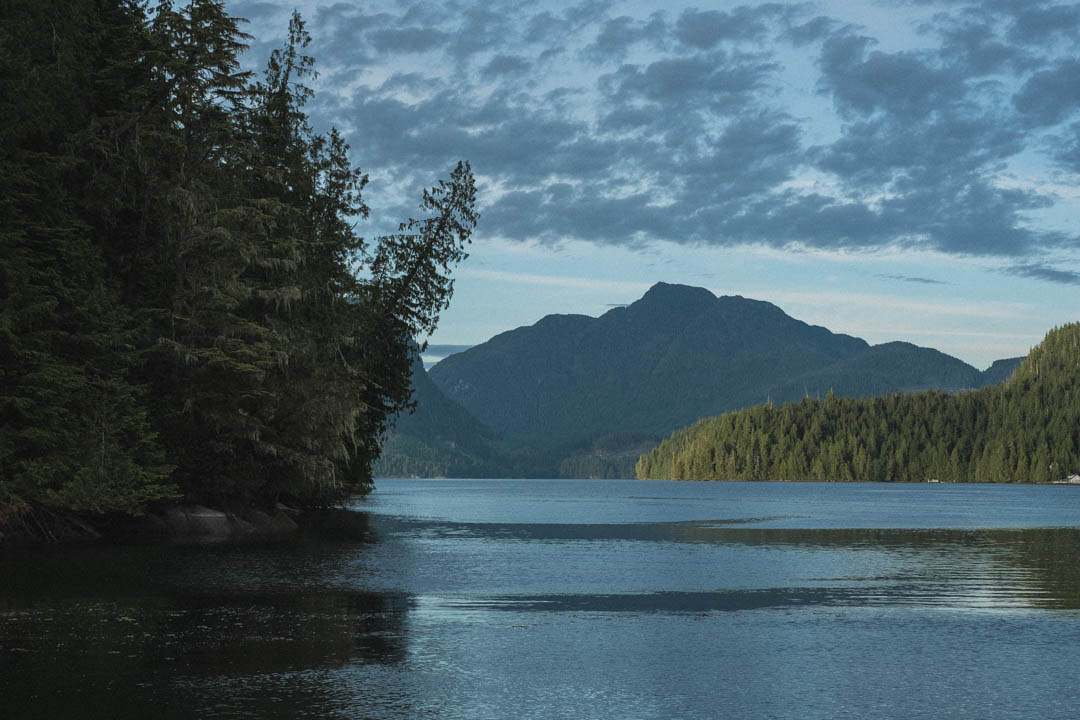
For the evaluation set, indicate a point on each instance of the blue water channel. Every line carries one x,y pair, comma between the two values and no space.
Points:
572,599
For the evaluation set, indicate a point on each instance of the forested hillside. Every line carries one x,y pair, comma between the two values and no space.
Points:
439,438
1025,430
185,308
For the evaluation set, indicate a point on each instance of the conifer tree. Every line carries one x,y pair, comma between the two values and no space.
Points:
184,304
76,433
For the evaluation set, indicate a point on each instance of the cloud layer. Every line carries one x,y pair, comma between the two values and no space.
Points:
770,123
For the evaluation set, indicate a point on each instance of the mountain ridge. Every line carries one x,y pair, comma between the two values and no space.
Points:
573,393
676,354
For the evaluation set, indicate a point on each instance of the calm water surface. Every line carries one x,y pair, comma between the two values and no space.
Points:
572,599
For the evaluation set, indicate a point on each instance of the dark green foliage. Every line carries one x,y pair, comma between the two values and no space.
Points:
1025,430
75,429
184,304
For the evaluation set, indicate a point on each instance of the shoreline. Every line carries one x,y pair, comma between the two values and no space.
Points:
39,527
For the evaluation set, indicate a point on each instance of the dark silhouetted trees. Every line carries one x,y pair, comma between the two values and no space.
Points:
185,308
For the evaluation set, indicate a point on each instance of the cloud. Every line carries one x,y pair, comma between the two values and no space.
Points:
587,12
254,11
900,304
923,141
627,220
676,108
1050,96
707,77
818,28
1035,25
972,43
563,281
501,65
902,85
911,279
407,40
628,124
339,32
544,27
1039,271
706,29
1065,148
482,28
620,34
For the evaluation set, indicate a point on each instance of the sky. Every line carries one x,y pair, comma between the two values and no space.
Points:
891,169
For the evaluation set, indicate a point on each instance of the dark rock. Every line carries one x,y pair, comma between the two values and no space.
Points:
195,522
261,523
242,526
176,520
206,522
150,524
282,523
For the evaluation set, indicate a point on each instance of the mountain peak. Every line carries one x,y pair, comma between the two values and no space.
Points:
670,300
674,293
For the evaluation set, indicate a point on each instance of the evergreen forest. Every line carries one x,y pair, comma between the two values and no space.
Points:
1024,430
186,309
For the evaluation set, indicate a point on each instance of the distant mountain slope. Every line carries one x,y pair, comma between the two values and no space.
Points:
440,438
1000,371
435,353
889,367
678,354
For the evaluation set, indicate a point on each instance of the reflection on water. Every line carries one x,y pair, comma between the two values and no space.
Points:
709,599
191,629
954,568
991,569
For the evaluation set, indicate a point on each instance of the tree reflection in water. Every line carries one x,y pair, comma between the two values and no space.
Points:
188,630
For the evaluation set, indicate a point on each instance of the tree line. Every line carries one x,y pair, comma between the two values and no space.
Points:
186,309
1025,430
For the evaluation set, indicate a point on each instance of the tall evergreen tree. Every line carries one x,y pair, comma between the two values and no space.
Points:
75,430
184,303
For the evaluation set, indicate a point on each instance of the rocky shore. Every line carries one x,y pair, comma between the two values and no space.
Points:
198,521
181,522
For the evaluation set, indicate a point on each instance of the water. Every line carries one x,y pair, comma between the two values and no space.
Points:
572,599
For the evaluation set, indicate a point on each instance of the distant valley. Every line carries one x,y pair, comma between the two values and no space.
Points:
435,353
577,396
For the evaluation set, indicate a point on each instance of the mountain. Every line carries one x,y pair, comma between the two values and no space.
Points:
1000,371
673,356
1022,430
435,353
440,438
879,369
676,355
